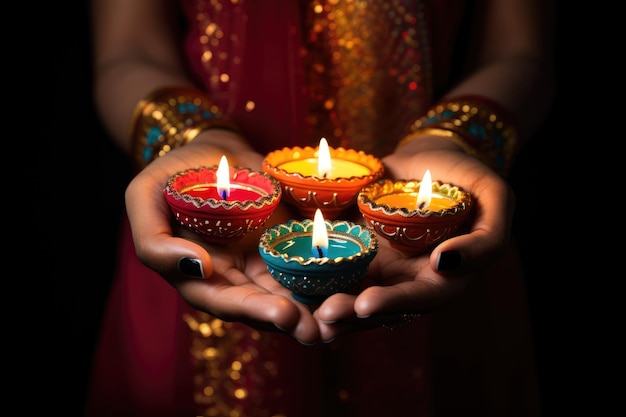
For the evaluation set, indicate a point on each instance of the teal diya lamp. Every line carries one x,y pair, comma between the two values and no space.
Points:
317,258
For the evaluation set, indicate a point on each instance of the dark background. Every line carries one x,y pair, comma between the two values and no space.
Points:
76,250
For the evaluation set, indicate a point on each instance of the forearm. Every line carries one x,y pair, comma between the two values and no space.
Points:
120,86
135,51
505,93
521,85
511,61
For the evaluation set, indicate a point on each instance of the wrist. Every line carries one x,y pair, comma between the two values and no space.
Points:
477,125
431,139
169,118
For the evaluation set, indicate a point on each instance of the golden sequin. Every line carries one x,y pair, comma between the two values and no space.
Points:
360,58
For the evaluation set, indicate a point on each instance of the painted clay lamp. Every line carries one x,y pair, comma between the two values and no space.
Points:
220,203
323,177
414,216
317,258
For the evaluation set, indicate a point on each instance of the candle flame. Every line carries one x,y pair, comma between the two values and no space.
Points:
424,195
223,178
324,165
319,246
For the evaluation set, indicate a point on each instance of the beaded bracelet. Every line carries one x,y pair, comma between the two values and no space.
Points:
476,124
169,118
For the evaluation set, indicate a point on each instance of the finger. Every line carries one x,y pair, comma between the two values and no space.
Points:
337,307
487,238
155,245
306,328
418,296
337,316
174,258
252,306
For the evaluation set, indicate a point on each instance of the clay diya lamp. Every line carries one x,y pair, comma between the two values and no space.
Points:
412,223
317,258
220,203
323,177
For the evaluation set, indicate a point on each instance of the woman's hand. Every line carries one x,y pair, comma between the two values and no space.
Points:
241,289
396,283
236,284
238,287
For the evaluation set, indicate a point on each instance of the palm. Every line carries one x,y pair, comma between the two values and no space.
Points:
241,289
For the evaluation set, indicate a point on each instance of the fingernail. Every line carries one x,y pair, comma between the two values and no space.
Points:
279,328
191,266
305,343
449,261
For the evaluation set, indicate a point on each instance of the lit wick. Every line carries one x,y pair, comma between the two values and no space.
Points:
319,242
223,178
324,164
424,195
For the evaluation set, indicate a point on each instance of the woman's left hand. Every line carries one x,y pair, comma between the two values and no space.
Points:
398,284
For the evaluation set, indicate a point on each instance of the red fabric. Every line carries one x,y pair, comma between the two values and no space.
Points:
143,365
268,73
136,371
266,66
478,351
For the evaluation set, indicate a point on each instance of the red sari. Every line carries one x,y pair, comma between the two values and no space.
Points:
290,82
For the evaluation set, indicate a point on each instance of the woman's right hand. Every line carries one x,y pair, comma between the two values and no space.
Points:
236,284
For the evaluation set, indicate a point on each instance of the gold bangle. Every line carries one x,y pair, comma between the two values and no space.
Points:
169,118
458,139
476,124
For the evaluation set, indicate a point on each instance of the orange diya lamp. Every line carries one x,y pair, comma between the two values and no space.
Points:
414,216
220,203
324,177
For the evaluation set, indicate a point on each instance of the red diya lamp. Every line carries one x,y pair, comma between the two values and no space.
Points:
222,204
324,177
414,216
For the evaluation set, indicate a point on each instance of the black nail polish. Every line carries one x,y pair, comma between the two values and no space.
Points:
191,266
449,261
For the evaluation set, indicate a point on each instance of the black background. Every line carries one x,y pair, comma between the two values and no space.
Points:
76,248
